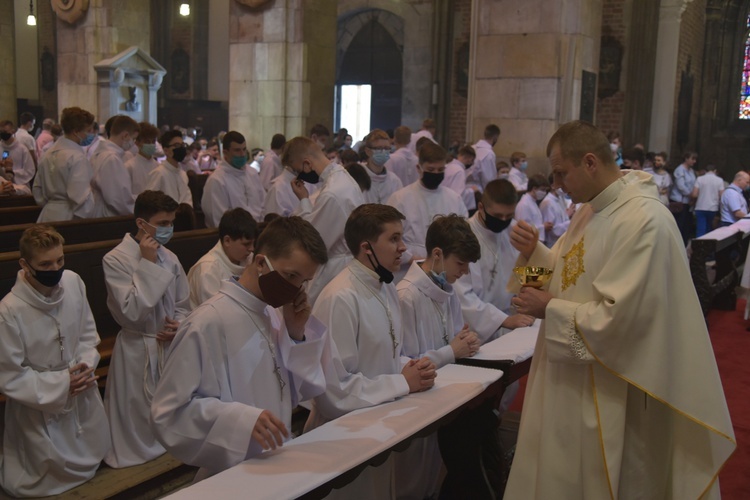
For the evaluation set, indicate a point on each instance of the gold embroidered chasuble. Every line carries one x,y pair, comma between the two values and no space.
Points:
624,398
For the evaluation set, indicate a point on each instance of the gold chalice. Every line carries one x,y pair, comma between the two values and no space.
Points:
532,276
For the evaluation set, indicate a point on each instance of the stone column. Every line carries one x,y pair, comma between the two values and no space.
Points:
7,63
526,68
106,29
281,68
667,48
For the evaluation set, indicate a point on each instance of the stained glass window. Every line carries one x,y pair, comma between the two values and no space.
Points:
745,88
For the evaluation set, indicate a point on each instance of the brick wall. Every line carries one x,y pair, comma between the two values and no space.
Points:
461,18
609,110
692,33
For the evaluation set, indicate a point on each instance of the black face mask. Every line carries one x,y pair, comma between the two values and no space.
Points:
432,180
48,278
310,177
494,224
5,135
384,274
179,154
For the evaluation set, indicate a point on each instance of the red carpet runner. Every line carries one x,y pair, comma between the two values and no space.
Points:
732,349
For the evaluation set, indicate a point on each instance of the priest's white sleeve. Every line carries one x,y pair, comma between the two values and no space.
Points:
135,293
188,415
45,391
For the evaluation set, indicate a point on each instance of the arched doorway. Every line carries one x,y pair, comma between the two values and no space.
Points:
370,53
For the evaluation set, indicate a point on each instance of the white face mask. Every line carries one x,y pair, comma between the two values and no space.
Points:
503,176
540,195
127,145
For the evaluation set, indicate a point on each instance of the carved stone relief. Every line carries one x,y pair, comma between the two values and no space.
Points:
70,11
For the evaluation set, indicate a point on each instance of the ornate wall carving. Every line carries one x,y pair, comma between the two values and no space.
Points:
70,11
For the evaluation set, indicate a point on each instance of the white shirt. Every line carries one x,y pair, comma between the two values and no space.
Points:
334,202
709,187
139,168
382,187
206,275
518,178
63,184
430,316
455,177
484,169
270,168
280,198
23,164
485,300
420,206
684,181
172,181
663,182
554,210
140,294
220,376
53,441
528,210
111,184
403,162
229,188
23,136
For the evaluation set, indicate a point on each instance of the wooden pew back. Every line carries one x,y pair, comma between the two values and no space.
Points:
74,231
19,215
17,201
86,260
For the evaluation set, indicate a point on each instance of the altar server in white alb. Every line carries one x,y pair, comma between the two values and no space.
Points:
624,398
556,212
233,184
361,309
485,300
383,182
403,162
113,189
528,209
62,185
169,177
517,174
55,432
421,201
141,165
244,359
455,174
433,327
15,158
237,231
484,169
148,296
271,166
334,201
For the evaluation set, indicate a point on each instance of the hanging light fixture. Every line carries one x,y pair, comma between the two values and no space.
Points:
31,20
184,9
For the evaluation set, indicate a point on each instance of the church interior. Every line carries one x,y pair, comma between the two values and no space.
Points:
668,78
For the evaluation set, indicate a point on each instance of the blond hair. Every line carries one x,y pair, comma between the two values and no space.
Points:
39,237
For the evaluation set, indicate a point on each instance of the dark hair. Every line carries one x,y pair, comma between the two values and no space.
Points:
634,154
26,117
453,235
5,123
467,151
431,152
56,130
428,123
491,131
402,135
238,223
167,136
421,142
359,175
122,123
348,156
278,141
689,154
230,137
108,125
366,223
320,130
537,180
75,119
150,203
282,234
500,191
147,132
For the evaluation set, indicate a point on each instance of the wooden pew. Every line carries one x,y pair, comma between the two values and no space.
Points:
17,201
74,231
19,215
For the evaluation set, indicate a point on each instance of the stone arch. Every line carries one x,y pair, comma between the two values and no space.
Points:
350,24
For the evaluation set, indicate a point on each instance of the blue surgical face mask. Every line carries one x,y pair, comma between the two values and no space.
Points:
87,140
148,149
238,161
380,157
524,165
163,233
440,279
